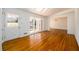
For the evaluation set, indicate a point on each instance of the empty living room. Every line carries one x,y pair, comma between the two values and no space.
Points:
39,29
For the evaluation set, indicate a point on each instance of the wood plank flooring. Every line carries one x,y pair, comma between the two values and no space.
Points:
53,40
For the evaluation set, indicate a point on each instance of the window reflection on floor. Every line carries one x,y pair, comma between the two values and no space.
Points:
36,38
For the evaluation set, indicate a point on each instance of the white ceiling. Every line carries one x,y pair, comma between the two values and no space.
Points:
47,12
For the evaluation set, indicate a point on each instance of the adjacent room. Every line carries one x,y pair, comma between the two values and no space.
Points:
39,29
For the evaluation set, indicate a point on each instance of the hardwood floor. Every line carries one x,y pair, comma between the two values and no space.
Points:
53,40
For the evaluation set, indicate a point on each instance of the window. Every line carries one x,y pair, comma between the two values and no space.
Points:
35,23
32,23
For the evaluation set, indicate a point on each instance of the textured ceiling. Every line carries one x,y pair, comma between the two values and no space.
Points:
47,12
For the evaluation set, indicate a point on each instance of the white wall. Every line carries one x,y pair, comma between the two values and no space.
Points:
0,25
77,25
70,20
59,23
24,17
0,29
46,23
